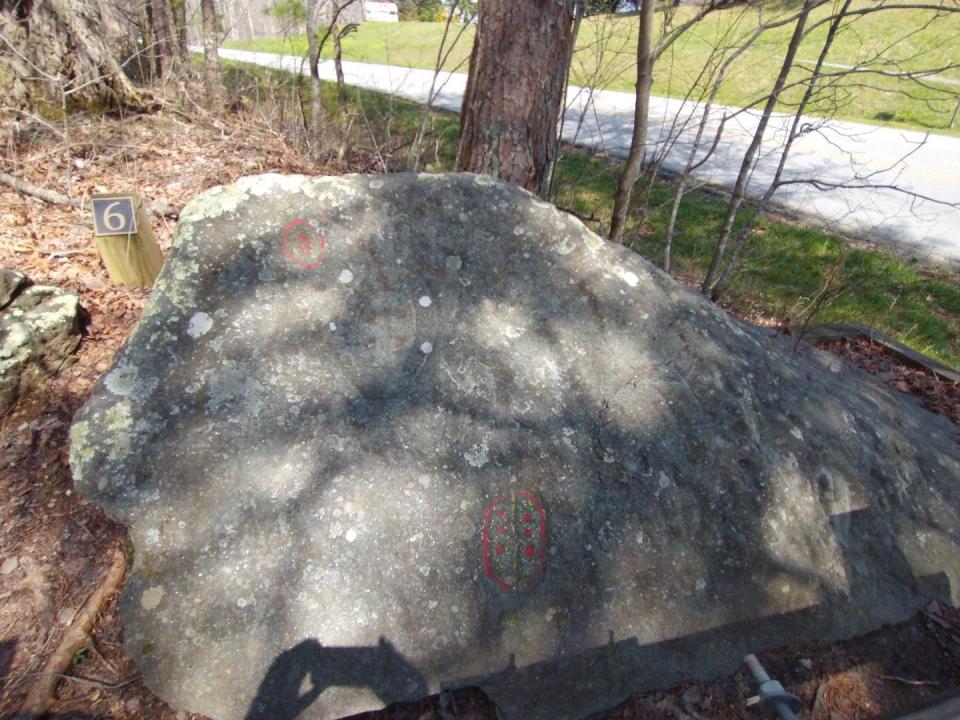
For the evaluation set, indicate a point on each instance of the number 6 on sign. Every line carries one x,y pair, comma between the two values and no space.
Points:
114,216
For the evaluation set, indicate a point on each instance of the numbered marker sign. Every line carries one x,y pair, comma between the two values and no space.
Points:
114,215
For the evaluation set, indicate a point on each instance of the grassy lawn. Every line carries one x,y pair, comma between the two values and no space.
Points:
784,268
606,51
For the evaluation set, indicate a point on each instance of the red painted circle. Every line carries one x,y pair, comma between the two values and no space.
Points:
516,560
302,244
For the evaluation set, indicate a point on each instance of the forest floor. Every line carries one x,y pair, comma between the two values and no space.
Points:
56,551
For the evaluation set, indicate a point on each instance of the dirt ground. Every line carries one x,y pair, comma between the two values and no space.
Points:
56,552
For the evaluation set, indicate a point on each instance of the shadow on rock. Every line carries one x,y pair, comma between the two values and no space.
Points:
298,676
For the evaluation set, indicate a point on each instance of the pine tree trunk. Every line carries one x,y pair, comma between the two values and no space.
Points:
211,59
508,124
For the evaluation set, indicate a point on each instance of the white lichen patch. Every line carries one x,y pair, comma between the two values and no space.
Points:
478,455
797,434
426,348
238,386
213,203
518,230
485,180
121,380
566,246
119,423
80,450
199,325
630,278
270,183
345,277
375,184
151,597
425,301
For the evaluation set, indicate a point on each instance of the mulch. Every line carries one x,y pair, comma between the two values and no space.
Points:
55,550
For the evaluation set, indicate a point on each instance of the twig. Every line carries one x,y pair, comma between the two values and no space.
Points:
160,209
907,681
41,693
88,681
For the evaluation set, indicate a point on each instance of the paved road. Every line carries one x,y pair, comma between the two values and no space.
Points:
835,152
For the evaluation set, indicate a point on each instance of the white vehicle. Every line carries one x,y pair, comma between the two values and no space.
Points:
381,11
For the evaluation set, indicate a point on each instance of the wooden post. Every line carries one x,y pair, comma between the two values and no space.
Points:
125,240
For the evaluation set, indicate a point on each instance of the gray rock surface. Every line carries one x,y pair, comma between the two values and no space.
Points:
376,436
39,332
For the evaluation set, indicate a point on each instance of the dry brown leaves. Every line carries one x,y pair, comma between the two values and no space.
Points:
936,395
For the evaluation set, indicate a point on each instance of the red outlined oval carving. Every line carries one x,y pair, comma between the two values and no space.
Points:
302,244
515,541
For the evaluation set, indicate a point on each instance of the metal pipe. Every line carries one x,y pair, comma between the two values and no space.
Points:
773,699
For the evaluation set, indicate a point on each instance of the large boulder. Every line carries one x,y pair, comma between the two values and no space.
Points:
39,332
377,436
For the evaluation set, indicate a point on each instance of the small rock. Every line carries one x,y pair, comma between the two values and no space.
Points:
39,331
66,615
690,699
132,705
11,282
807,663
9,565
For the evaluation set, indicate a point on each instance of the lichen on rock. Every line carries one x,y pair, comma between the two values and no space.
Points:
39,332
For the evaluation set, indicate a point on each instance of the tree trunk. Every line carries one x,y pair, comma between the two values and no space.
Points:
641,112
508,124
180,20
149,51
60,51
211,59
164,34
315,129
338,34
808,94
746,167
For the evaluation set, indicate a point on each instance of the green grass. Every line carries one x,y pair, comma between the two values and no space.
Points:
904,36
786,263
